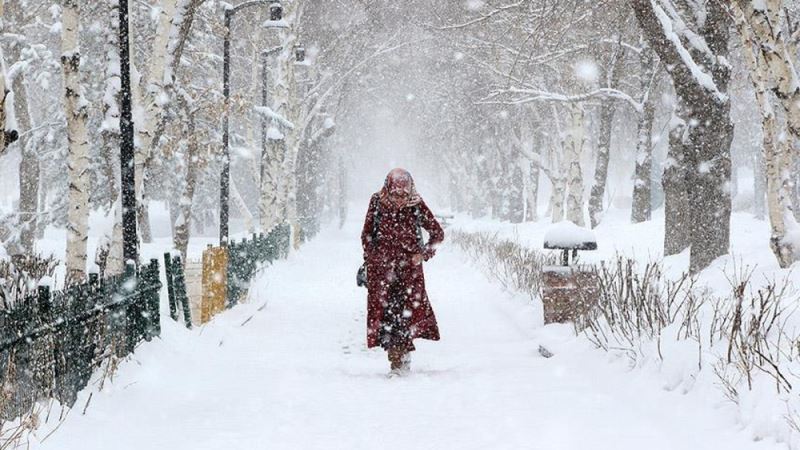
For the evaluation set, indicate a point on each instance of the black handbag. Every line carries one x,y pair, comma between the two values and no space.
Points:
361,276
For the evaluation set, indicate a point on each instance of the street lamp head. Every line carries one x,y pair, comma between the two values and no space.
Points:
275,11
299,53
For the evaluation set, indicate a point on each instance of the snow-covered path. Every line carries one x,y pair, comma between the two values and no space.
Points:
295,374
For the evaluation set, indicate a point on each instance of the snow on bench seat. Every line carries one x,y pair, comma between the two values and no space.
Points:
568,236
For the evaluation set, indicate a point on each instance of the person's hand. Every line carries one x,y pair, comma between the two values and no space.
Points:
416,259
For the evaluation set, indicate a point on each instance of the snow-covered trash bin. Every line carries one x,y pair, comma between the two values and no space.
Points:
569,290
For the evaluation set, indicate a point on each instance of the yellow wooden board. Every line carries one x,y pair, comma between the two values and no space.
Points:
215,282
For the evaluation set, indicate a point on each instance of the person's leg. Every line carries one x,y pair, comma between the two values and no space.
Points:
395,337
395,355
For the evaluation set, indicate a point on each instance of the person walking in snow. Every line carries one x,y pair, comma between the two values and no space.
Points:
398,309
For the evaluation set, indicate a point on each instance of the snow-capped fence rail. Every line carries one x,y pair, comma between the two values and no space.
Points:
51,342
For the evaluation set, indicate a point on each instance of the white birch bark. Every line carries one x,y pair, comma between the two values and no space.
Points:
574,179
271,175
286,105
154,89
559,182
109,132
772,68
78,151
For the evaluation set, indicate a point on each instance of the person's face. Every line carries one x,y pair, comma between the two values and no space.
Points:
398,195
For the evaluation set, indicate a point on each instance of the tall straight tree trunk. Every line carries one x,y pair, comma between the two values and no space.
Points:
574,150
28,169
601,165
78,156
642,206
271,181
29,164
110,138
183,224
760,25
287,105
676,196
531,212
153,95
2,105
759,184
607,110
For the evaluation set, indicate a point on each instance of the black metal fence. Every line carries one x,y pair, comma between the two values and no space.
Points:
245,256
51,342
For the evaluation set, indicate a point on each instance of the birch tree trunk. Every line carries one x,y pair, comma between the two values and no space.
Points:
531,211
759,184
286,105
110,139
109,130
183,224
759,25
557,199
271,186
574,150
151,102
78,157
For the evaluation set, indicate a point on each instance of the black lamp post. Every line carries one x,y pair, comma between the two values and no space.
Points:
129,239
276,13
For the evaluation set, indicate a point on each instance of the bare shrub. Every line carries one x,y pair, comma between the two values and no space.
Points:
748,328
19,276
636,304
514,266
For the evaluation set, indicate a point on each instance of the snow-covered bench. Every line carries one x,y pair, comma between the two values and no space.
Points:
569,290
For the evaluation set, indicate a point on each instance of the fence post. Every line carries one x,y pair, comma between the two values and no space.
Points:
44,305
123,315
180,291
169,270
234,267
152,289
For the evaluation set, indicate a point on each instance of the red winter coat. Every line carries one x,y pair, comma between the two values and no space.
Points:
389,260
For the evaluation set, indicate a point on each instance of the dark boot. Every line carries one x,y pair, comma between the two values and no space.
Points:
395,355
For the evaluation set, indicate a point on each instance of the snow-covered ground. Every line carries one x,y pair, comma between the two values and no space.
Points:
289,370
